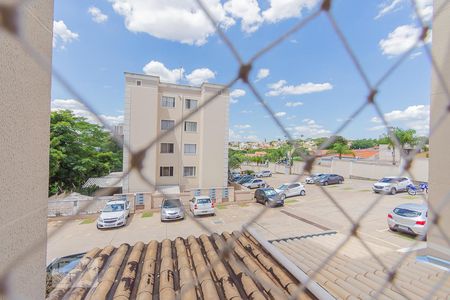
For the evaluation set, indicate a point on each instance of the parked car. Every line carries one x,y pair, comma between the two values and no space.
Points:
291,189
244,179
114,214
265,173
269,197
313,178
254,183
409,218
392,185
326,179
202,205
172,209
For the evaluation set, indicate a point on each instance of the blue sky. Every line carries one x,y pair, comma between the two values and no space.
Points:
309,79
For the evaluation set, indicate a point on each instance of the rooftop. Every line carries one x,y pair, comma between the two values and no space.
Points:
189,267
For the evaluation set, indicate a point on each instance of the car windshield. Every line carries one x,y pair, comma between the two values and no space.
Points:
204,201
171,203
387,179
283,187
270,192
407,213
113,207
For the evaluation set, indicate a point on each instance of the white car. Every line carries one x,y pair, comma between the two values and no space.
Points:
202,205
265,173
291,189
313,178
114,214
392,185
255,183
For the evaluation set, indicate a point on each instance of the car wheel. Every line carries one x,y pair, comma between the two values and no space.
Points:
393,191
283,196
302,193
267,204
392,228
325,183
340,181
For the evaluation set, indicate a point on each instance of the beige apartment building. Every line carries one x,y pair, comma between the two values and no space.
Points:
195,153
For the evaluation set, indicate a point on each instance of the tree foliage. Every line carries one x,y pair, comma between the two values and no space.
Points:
79,150
364,143
341,149
404,137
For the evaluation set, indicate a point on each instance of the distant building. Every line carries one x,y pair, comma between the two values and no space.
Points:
118,132
194,154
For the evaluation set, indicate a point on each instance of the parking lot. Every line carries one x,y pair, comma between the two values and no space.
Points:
313,213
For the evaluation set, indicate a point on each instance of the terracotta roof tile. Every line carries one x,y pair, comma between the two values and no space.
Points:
192,268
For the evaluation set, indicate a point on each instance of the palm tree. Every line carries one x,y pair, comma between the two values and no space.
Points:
340,149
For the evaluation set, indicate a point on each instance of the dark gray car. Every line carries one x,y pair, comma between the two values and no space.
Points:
326,179
172,209
269,197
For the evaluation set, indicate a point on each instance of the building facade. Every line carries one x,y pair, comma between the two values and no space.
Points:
192,155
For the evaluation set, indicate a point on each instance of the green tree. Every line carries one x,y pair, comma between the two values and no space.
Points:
363,143
341,149
235,159
79,150
404,137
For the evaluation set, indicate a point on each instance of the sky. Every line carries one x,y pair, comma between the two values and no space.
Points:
309,80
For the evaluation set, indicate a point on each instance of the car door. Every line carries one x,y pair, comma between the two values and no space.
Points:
404,183
257,195
334,179
291,190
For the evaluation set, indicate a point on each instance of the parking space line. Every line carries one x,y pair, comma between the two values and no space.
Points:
305,220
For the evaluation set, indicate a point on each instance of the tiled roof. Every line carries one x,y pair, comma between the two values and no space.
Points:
184,268
354,274
111,180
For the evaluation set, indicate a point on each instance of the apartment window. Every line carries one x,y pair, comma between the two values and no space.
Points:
167,124
165,171
190,149
189,171
190,126
168,102
138,83
167,148
191,104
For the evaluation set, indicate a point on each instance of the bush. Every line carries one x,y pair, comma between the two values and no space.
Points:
249,172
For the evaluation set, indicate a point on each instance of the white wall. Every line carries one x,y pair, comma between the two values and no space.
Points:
24,141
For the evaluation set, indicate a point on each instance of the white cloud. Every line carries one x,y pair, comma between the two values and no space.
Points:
415,117
80,110
424,8
97,15
280,88
294,104
246,111
284,9
157,68
388,7
262,73
242,126
235,94
247,11
175,20
280,114
233,136
198,76
309,128
62,35
401,39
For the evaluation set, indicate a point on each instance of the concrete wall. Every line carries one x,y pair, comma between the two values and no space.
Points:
356,169
24,139
439,157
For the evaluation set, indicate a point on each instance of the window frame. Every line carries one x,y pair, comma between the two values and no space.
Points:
164,100
194,168
190,103
196,126
190,153
138,82
161,171
161,148
161,126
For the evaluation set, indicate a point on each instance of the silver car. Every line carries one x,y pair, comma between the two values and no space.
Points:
172,209
409,218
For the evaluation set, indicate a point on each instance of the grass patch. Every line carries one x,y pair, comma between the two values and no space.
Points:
331,186
221,206
290,201
147,214
87,221
243,204
409,197
364,190
347,189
